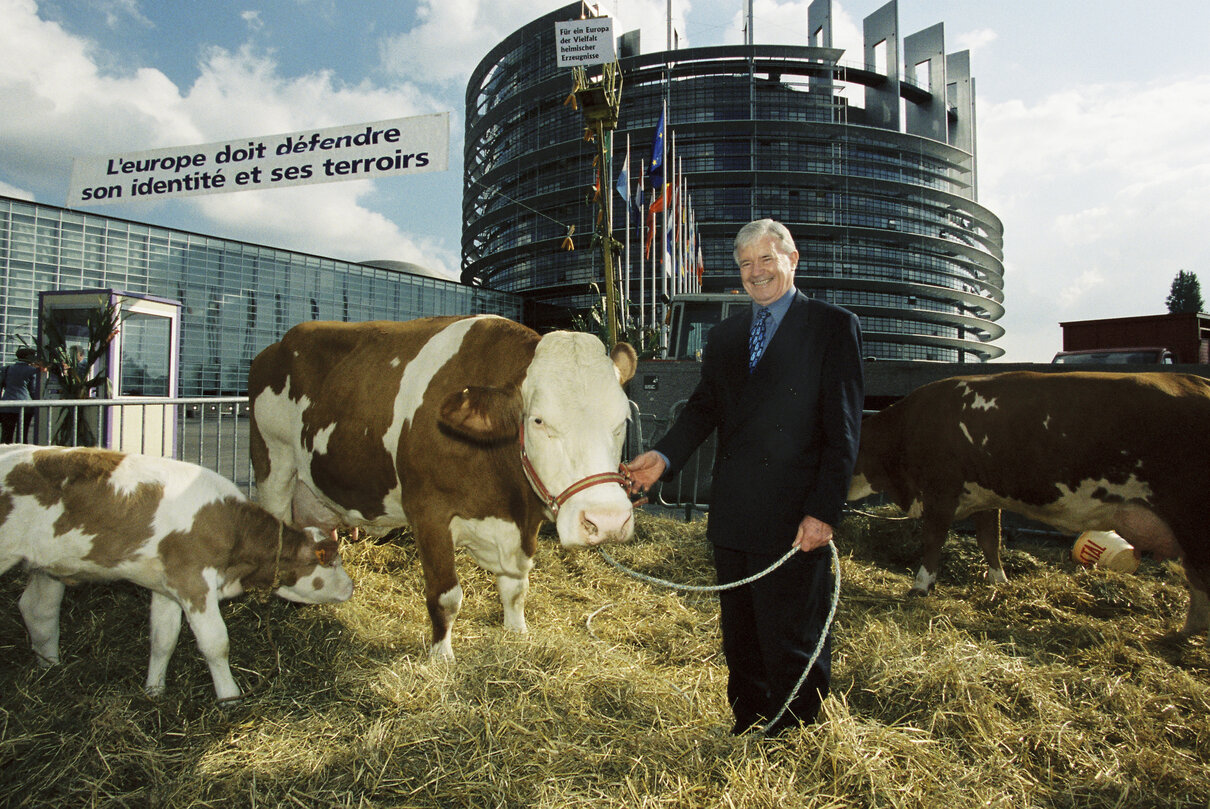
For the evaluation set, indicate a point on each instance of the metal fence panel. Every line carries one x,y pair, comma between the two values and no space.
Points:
209,431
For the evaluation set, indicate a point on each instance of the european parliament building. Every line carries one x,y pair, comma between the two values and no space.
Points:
236,297
871,163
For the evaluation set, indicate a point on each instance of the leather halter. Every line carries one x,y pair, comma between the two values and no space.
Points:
552,502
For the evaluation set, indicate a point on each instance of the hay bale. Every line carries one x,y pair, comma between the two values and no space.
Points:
1052,690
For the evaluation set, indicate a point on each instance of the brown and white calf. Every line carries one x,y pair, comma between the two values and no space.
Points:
1079,451
183,532
472,430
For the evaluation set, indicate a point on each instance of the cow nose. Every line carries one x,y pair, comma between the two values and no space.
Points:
606,525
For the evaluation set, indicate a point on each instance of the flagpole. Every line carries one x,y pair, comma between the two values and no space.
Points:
684,229
664,326
676,222
626,269
670,244
673,282
642,267
663,196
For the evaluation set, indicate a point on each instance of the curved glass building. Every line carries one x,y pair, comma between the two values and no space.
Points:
870,164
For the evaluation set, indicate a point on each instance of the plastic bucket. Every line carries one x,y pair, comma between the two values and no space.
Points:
1105,549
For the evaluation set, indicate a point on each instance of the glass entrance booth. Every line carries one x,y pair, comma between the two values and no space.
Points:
139,366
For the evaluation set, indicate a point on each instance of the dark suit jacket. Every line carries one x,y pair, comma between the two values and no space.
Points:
787,434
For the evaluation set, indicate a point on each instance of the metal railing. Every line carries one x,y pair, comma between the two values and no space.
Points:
213,432
209,431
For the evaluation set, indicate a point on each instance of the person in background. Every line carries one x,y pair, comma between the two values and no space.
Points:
18,382
782,385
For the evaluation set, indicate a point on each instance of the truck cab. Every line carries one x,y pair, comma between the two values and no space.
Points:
694,314
1146,355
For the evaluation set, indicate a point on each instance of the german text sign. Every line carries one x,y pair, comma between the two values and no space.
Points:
355,152
584,42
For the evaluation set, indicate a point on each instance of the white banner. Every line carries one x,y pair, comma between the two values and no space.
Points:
585,42
354,152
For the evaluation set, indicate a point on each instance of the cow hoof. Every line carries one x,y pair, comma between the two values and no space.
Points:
153,691
915,592
437,655
47,662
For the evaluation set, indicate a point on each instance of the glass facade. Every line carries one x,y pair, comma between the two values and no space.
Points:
881,199
237,297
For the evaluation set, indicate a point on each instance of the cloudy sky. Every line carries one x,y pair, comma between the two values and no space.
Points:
1093,120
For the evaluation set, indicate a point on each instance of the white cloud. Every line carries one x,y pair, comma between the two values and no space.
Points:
242,93
1077,289
49,83
328,220
68,106
7,190
974,40
121,12
1103,191
451,37
253,19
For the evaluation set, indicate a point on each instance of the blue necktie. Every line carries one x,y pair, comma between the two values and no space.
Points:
756,340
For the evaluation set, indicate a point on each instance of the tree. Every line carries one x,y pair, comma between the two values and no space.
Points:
1186,294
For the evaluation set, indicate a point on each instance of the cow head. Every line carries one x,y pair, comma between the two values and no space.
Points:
574,416
314,573
570,417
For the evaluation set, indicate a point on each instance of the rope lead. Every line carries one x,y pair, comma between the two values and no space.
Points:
827,626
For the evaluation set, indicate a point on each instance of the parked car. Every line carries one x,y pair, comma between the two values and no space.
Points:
1116,356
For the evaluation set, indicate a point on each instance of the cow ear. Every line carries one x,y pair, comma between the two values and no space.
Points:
625,361
482,413
327,552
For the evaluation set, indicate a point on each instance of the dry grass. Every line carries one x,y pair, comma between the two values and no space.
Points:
1055,690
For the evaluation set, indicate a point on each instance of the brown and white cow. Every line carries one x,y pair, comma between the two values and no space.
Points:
473,430
1079,451
183,532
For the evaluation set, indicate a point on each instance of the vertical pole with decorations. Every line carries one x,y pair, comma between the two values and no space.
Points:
583,42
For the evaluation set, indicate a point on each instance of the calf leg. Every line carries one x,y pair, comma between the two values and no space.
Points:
987,531
211,634
165,631
40,608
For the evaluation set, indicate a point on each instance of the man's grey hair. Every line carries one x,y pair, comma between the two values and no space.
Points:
757,230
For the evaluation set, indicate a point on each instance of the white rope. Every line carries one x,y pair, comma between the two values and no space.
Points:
827,626
871,515
697,588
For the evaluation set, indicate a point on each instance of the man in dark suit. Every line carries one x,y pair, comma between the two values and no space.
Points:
782,384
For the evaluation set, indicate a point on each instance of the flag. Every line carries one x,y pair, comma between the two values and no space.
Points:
656,172
623,184
701,264
668,252
658,203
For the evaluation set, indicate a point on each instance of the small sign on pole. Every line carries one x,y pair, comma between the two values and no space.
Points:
585,42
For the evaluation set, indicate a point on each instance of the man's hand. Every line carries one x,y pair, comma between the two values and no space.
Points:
643,472
812,534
